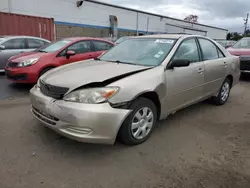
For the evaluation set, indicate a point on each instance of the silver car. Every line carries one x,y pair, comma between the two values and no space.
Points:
125,91
13,45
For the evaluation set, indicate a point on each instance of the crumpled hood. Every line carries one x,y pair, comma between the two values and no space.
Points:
81,73
239,52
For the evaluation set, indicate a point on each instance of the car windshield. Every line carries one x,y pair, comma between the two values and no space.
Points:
146,51
53,47
243,43
120,40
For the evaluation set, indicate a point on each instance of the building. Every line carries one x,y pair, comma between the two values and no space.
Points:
98,19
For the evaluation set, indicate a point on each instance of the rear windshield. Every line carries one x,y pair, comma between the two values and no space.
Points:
243,43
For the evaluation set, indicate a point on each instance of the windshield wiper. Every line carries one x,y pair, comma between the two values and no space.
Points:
122,62
42,51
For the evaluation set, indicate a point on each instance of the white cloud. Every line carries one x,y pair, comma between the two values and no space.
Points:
228,14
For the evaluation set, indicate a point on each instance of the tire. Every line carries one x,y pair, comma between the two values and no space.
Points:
142,131
243,75
45,70
221,98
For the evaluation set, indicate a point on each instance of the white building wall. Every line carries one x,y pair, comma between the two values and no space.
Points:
150,23
177,22
212,32
194,32
67,11
173,29
4,7
94,14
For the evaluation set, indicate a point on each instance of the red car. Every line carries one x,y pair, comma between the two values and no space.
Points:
242,49
28,67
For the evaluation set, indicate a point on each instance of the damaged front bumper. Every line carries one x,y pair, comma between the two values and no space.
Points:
90,123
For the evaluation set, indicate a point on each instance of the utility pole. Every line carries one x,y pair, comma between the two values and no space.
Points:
10,6
147,24
246,22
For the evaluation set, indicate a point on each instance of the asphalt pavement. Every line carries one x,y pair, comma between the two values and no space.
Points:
201,146
11,90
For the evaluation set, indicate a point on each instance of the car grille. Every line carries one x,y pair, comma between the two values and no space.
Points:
245,65
55,92
19,77
12,64
44,117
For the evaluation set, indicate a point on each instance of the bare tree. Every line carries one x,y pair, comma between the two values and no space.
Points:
192,18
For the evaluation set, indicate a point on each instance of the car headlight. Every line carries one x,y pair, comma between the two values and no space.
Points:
92,96
28,62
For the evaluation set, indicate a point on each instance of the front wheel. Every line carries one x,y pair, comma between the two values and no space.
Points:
224,93
138,126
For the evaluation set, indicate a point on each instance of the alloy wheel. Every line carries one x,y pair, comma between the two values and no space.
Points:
142,123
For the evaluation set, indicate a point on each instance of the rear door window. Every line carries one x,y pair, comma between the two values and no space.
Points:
221,55
15,44
209,50
80,47
102,46
35,43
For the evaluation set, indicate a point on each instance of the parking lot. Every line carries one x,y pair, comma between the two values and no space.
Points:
200,146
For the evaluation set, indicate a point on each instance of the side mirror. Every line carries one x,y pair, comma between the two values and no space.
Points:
2,47
179,63
70,53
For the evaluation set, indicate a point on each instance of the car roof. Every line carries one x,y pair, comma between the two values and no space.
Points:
20,36
170,36
73,39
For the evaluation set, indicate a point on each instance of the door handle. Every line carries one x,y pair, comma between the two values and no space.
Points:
200,70
225,64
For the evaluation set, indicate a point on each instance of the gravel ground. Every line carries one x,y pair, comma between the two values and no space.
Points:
200,146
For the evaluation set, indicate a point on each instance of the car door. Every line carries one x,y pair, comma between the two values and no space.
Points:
100,47
83,51
215,66
11,47
185,84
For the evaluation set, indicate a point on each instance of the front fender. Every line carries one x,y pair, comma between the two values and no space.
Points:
131,87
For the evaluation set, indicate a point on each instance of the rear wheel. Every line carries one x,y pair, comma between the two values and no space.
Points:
224,93
243,75
138,126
